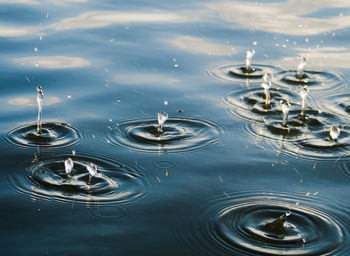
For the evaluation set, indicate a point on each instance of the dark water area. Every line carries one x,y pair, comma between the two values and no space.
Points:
244,164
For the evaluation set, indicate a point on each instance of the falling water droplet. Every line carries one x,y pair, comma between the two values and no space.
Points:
68,165
39,99
248,59
92,168
334,132
300,71
166,102
162,117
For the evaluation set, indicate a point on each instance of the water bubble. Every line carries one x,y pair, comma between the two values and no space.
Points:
92,168
334,132
162,117
68,165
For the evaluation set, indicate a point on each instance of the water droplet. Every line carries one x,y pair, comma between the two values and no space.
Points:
162,117
300,70
166,102
73,152
248,58
68,165
176,65
36,49
39,99
334,132
92,168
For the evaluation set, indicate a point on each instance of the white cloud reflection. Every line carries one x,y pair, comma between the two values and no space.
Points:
283,17
31,2
321,57
30,101
145,78
104,18
16,31
53,62
201,46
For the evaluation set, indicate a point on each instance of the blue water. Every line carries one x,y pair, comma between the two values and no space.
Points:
224,165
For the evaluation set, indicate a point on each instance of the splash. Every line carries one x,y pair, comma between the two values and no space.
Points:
39,99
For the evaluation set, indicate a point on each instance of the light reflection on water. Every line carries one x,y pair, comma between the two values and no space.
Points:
108,67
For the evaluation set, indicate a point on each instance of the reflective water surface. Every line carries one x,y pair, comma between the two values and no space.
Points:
89,167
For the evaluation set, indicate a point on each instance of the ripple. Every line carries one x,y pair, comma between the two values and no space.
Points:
249,104
116,183
304,136
337,104
238,73
179,135
315,80
235,224
54,134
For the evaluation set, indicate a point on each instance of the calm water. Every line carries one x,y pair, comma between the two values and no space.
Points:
224,167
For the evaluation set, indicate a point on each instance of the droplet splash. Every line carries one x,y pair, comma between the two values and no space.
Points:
239,222
162,117
334,132
39,99
300,70
303,93
92,168
266,84
285,106
180,134
248,60
68,165
116,183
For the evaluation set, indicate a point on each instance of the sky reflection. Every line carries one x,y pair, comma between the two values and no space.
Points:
201,46
105,18
53,62
283,17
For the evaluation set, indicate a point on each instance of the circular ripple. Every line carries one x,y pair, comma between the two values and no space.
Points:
236,224
115,183
315,80
179,134
337,104
238,73
250,104
53,134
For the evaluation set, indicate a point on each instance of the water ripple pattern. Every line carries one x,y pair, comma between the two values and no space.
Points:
237,223
114,184
232,73
178,135
54,134
337,104
315,80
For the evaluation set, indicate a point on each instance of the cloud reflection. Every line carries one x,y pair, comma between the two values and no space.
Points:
201,46
283,17
145,78
53,62
16,31
104,18
321,57
30,101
